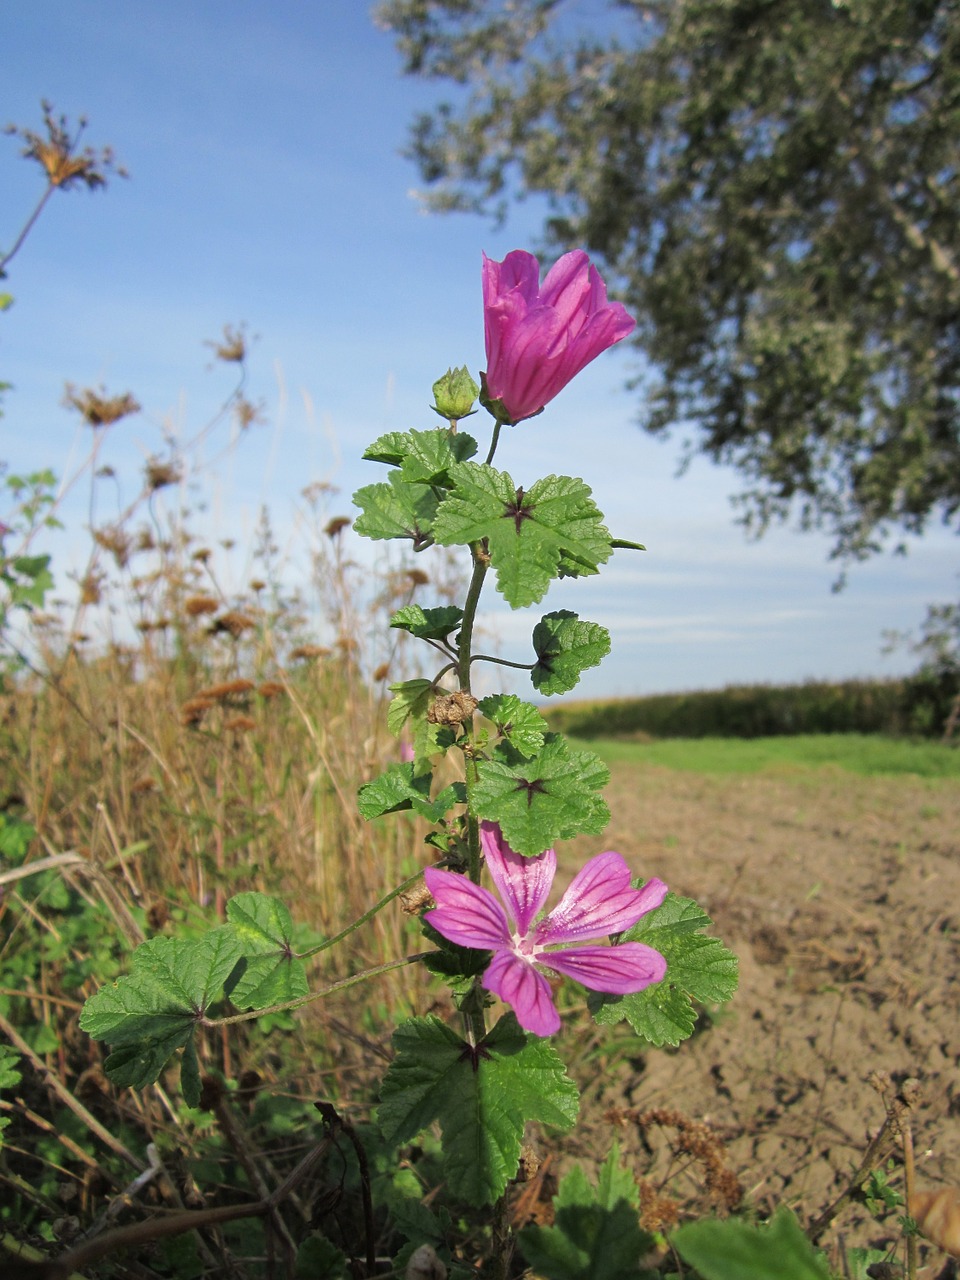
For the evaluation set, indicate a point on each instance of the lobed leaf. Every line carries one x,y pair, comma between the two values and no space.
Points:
565,646
396,509
528,533
428,624
518,723
595,1234
737,1250
269,972
699,968
551,796
482,1098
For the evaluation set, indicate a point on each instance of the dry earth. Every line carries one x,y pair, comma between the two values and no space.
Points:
841,897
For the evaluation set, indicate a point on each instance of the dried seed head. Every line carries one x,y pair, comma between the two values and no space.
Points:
230,691
337,525
452,708
306,652
240,724
417,577
115,539
382,671
271,689
98,409
160,474
232,347
233,623
196,606
193,711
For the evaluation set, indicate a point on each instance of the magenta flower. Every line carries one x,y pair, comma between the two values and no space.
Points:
598,902
538,337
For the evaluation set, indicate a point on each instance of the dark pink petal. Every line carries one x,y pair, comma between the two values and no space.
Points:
620,970
528,993
538,337
465,912
599,901
523,883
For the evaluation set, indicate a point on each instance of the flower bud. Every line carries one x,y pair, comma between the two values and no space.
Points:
454,395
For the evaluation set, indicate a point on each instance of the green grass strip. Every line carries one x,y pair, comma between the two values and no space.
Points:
867,754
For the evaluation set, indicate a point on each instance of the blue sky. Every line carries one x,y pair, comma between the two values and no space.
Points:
267,186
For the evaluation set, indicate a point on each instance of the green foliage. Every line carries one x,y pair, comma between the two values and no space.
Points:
400,789
173,984
550,796
763,711
517,723
482,1097
9,1079
565,646
533,536
269,972
798,162
428,624
595,1234
153,1011
699,969
735,1250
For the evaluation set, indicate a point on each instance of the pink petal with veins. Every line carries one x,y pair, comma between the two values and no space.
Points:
620,970
523,883
466,913
599,901
527,991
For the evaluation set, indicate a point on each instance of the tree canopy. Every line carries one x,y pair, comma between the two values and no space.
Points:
773,188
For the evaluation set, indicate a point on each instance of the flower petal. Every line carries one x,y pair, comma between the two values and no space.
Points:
599,901
528,993
466,913
523,883
626,968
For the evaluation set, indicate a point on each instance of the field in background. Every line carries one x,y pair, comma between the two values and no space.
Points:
868,755
920,705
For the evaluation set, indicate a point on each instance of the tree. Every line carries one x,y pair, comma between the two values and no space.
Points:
773,185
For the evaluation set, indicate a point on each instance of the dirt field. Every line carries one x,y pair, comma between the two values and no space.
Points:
841,897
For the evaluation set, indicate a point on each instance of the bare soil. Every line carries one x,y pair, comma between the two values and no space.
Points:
841,897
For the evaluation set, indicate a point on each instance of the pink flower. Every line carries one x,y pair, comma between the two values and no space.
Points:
598,902
538,337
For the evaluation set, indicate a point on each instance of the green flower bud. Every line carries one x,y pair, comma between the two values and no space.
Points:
454,395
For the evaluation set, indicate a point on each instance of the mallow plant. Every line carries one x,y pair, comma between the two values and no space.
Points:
511,790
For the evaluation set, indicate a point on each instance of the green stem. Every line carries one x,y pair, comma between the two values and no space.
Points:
342,985
494,439
367,915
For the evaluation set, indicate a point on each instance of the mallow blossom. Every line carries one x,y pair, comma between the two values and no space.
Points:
537,336
599,901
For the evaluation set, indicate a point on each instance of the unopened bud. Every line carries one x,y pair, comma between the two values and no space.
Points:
454,394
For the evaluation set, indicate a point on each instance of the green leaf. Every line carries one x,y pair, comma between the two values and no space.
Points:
595,1234
318,1256
153,1011
565,646
623,544
527,532
428,624
410,698
9,1074
553,796
269,972
698,968
399,788
396,509
736,1250
482,1098
424,456
519,723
